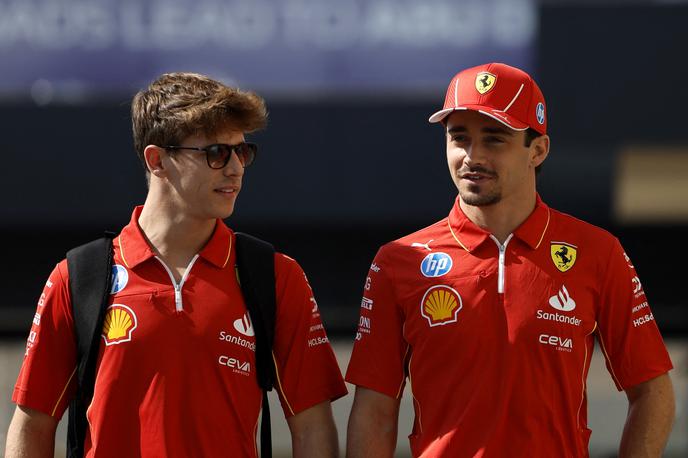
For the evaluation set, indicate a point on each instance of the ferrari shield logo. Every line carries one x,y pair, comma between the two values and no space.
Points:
484,81
563,255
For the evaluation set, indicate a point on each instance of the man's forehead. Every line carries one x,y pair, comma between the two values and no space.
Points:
470,119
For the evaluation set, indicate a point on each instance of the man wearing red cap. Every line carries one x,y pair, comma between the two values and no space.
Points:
492,312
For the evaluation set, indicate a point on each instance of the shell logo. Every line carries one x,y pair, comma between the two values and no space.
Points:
441,305
119,324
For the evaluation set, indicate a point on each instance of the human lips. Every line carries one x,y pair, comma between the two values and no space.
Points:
476,176
228,190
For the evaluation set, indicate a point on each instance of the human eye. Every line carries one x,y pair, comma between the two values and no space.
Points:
216,154
458,138
494,140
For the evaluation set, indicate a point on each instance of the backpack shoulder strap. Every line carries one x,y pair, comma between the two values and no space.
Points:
256,273
256,269
90,278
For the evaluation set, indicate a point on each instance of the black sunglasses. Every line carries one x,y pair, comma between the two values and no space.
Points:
219,154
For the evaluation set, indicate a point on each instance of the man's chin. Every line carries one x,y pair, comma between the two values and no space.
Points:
477,199
225,212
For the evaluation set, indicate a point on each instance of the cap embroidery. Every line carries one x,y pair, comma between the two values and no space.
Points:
484,82
514,99
540,113
456,93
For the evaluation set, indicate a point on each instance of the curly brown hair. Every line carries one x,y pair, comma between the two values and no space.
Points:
178,105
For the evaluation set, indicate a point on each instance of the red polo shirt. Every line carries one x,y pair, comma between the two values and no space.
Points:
176,370
496,340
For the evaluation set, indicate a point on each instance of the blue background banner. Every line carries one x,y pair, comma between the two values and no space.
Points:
73,49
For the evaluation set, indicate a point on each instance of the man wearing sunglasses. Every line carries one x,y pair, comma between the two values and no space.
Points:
176,373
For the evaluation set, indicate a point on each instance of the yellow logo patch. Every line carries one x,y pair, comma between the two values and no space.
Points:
563,255
440,305
484,81
119,324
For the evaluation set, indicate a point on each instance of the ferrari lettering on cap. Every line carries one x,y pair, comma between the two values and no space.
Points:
484,82
563,255
119,325
440,305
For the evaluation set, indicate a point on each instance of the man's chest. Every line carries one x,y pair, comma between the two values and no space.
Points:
200,323
477,303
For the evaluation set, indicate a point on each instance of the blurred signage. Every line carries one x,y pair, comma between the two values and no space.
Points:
74,48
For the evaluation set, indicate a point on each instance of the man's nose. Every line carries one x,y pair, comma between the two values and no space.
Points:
475,154
234,166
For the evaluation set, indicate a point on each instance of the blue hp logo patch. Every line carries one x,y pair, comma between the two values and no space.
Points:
120,278
436,264
540,113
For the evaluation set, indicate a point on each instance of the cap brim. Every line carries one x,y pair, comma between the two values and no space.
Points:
502,117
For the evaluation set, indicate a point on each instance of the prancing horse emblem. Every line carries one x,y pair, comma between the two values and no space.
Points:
484,81
563,255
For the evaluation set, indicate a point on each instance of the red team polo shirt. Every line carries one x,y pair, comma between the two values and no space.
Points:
497,340
176,370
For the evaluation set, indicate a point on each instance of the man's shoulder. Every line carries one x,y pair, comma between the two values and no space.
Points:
567,226
423,239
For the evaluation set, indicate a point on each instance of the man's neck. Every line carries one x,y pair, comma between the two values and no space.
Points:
174,236
502,218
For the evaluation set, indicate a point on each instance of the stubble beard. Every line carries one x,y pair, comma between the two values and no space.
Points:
477,197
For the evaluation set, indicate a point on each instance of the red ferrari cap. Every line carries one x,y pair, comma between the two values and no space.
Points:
499,91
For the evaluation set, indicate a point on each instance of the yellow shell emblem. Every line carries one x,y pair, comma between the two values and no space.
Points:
563,255
484,82
119,324
440,305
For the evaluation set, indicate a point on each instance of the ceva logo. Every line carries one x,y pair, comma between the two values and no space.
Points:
243,367
556,341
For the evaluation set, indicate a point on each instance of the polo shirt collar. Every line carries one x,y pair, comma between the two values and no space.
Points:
135,249
470,236
532,230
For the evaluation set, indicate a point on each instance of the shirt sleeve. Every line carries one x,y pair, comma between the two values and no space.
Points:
380,351
46,380
627,331
307,371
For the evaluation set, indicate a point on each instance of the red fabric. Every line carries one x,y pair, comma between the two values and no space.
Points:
508,95
179,383
502,374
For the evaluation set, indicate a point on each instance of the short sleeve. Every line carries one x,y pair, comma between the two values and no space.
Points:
380,352
627,331
46,380
307,370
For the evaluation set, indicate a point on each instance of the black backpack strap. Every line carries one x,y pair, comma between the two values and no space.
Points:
256,271
90,281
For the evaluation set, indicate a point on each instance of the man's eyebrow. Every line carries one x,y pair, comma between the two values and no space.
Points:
485,130
498,130
456,130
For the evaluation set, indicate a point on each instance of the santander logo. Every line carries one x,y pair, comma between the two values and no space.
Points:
562,300
244,325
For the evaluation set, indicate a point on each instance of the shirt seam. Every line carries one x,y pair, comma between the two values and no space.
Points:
59,399
279,384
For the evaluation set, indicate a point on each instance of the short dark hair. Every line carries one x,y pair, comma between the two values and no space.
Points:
178,105
532,134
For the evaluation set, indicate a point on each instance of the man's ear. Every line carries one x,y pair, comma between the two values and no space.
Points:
539,149
154,160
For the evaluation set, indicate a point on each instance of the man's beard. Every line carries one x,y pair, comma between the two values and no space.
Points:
478,198
474,195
